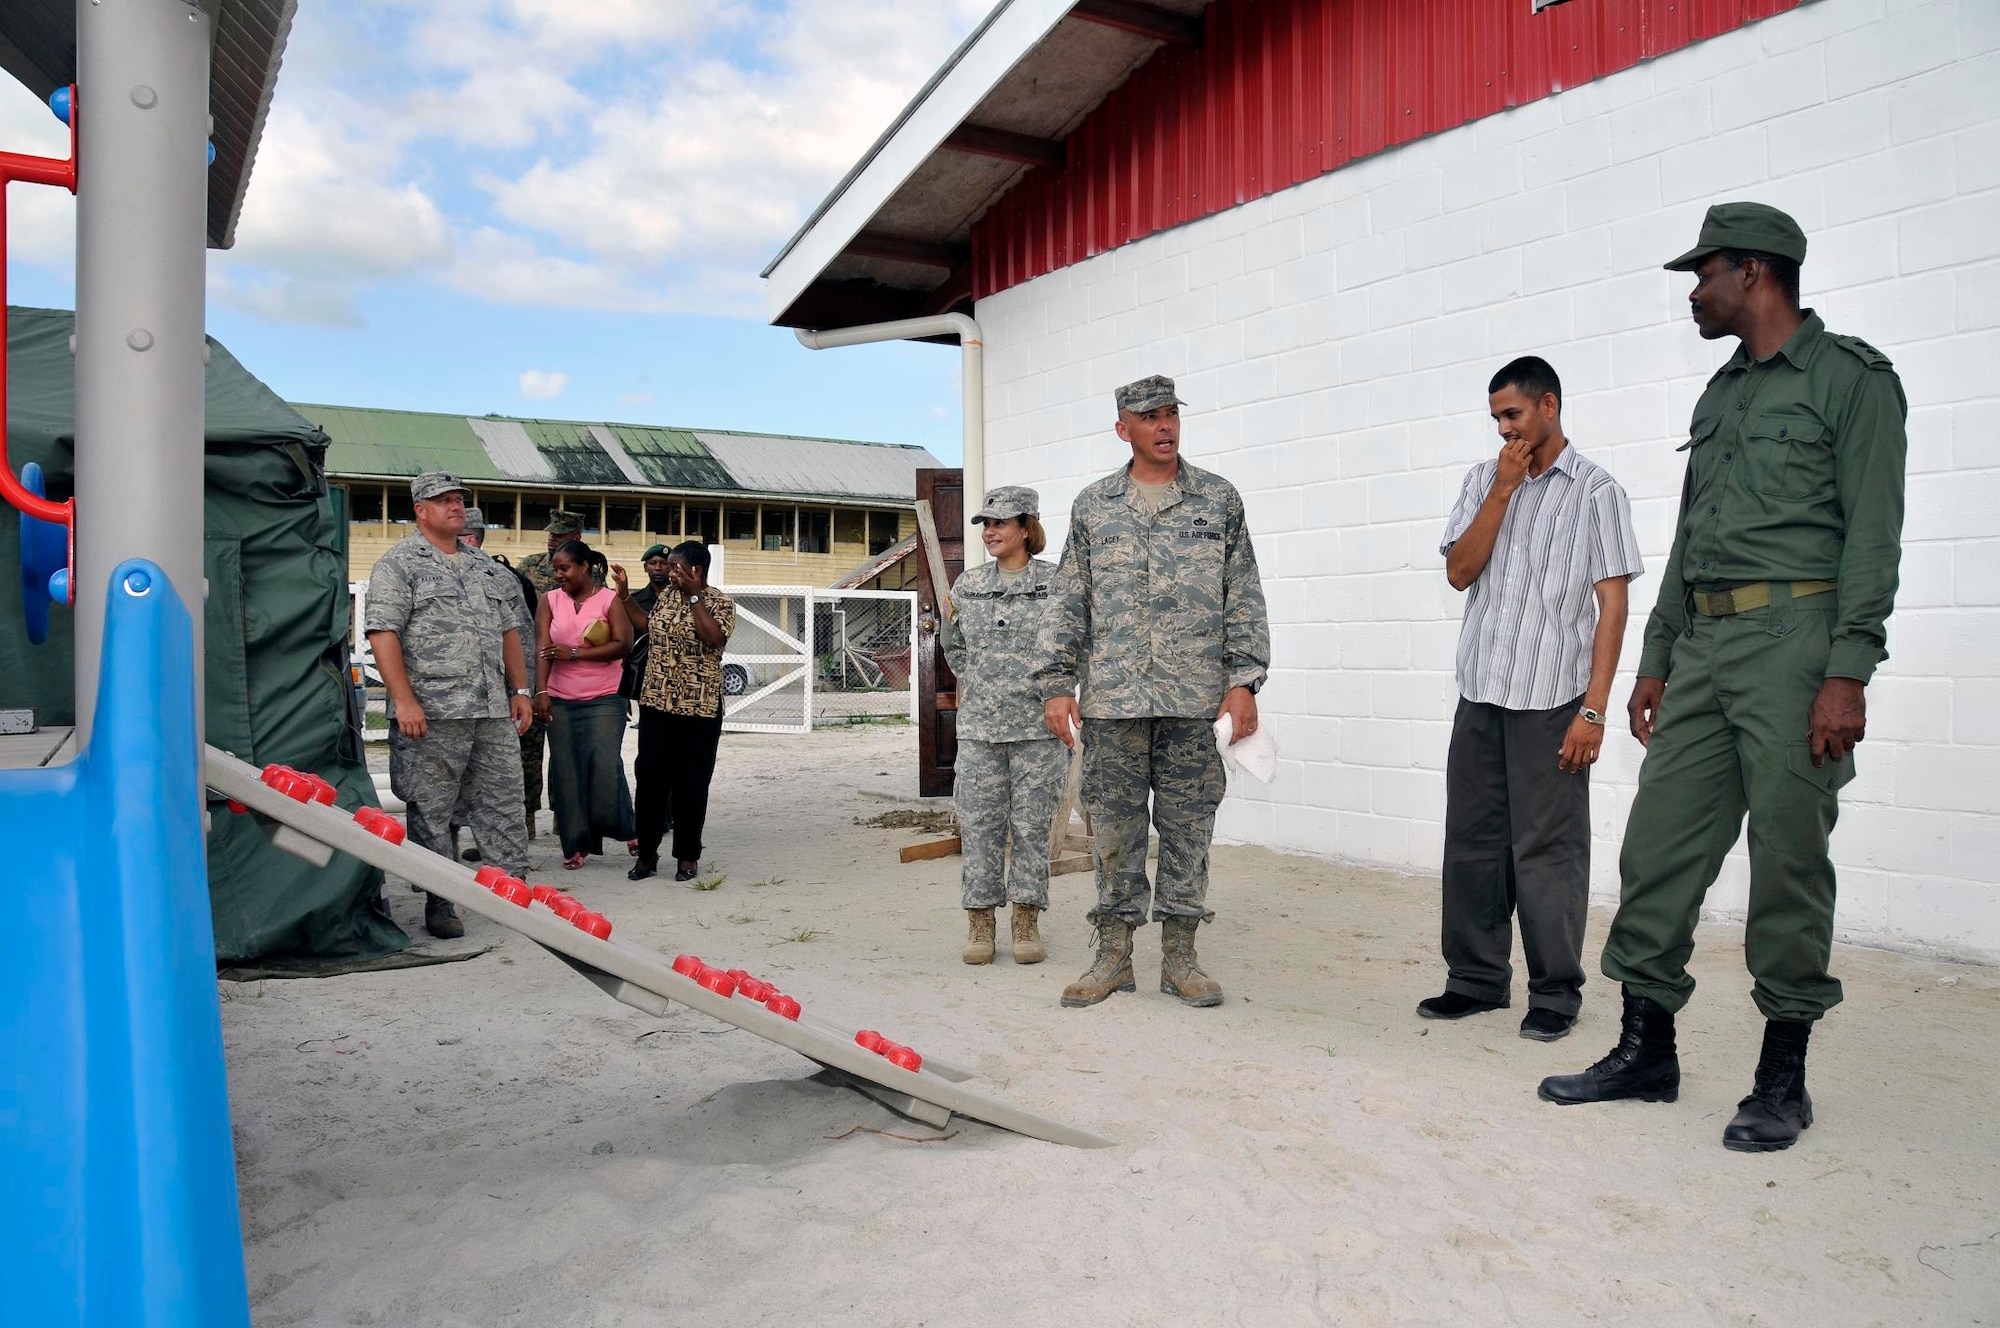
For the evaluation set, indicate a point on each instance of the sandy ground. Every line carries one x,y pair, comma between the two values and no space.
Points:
495,1142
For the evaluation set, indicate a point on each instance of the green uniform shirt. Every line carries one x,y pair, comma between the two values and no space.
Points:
1795,473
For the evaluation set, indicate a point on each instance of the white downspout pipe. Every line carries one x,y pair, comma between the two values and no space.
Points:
972,385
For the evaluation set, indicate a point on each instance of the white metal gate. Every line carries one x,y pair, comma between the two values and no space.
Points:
802,656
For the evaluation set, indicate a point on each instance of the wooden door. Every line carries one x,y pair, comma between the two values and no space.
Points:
937,689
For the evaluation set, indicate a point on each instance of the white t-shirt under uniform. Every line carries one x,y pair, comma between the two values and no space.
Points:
1530,617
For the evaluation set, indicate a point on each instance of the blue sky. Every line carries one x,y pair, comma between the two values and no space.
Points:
543,207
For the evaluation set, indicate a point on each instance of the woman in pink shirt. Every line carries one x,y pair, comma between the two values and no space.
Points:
583,642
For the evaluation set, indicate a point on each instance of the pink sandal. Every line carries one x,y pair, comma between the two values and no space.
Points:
573,861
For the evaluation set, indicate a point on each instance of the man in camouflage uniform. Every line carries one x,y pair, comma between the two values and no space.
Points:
1009,773
475,538
444,630
1750,696
540,569
1158,620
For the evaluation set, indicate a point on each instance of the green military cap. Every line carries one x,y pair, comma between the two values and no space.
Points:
475,519
1009,500
1757,227
565,523
657,551
1149,393
436,484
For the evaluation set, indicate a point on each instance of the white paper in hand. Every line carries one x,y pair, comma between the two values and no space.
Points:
1256,755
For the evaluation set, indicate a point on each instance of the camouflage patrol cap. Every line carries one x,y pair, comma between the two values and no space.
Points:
436,484
475,519
1008,501
1757,227
565,523
1148,393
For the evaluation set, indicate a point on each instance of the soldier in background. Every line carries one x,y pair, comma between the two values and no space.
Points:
540,569
442,626
1158,614
1010,772
475,538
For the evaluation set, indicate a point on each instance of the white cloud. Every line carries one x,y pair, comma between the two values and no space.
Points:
41,220
539,386
631,155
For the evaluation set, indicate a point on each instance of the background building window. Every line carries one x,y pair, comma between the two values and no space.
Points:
777,529
535,513
881,531
740,523
495,508
702,524
663,518
364,502
850,526
401,510
813,530
622,518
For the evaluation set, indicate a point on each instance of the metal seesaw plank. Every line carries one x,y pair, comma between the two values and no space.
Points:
641,976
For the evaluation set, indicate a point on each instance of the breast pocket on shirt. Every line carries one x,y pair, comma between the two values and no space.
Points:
1788,455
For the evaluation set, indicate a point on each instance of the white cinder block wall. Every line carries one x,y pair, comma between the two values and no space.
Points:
1334,343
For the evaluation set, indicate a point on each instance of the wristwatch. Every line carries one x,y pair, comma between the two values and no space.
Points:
693,600
1591,716
522,691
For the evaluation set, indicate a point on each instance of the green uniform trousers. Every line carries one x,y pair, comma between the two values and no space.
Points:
1730,737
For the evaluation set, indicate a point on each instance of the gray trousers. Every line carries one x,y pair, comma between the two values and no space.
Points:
472,766
1003,791
1176,763
1516,836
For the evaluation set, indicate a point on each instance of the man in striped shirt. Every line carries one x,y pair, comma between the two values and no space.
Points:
1542,539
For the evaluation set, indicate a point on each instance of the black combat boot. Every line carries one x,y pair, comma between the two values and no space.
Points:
1642,1065
1778,1106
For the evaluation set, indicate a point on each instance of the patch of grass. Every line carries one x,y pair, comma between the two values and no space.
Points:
743,919
774,880
707,883
802,936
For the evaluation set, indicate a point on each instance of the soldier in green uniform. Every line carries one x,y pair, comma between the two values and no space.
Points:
1749,699
540,569
1155,630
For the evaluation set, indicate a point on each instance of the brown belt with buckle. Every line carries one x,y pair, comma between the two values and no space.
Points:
1739,599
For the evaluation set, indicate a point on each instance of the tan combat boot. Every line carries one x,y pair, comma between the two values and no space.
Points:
1180,971
1027,937
979,943
1111,972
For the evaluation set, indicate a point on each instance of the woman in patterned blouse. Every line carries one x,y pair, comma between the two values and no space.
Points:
680,707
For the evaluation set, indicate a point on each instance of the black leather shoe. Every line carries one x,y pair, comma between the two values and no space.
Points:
1547,1025
1644,1064
644,867
687,871
1452,1005
1778,1107
441,919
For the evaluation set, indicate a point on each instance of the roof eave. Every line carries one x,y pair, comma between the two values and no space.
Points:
1008,33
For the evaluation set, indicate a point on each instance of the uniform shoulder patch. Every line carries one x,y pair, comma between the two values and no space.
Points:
1861,350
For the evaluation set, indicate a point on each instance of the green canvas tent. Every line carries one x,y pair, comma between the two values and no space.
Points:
277,623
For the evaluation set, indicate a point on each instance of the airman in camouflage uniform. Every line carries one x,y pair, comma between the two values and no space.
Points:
475,538
1009,772
540,569
1158,621
443,628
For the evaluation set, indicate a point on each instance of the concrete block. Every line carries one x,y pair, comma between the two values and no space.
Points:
1510,222
1621,303
1336,412
1649,127
1377,839
1851,255
1375,742
1308,277
1603,96
1813,23
1404,299
1334,224
1894,180
1333,318
1414,795
1648,355
1975,849
1831,132
1441,240
1628,190
1402,397
1414,695
1239,297
1720,167
1375,549
1405,497
1273,330
1361,262
1516,124
1378,355
1954,916
1490,175
1891,313
1770,88
1448,339
1273,420
1213,264
1273,243
1904,710
1215,347
1566,260
1573,150
1487,280
1975,434
1897,48
1530,325
1405,202
1949,99
1978,297
1955,368
1334,786
1416,595
1957,505
1307,369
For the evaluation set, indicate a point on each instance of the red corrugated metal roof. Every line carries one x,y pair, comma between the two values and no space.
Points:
1283,90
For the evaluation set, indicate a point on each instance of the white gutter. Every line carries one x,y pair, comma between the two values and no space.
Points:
972,385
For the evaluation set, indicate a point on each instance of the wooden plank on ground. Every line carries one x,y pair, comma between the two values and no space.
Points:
931,848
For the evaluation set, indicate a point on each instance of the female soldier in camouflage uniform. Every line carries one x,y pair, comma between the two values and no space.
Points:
1010,772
